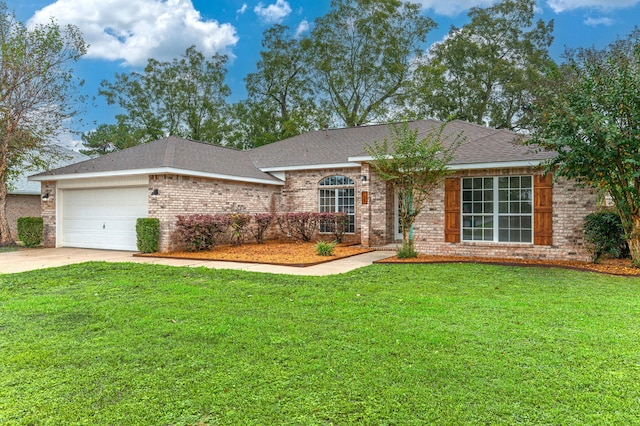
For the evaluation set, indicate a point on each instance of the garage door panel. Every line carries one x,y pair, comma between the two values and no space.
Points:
102,217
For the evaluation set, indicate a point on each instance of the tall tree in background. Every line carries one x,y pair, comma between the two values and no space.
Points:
591,119
37,95
280,101
185,97
108,138
487,71
360,54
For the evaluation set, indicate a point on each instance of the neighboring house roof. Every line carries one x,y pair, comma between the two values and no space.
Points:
482,147
168,155
22,186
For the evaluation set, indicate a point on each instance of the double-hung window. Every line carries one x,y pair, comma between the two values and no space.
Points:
337,194
498,209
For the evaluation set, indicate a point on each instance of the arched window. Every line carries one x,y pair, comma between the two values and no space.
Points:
336,194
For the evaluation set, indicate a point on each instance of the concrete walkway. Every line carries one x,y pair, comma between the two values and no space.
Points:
31,259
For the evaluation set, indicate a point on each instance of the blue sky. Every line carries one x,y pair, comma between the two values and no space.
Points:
123,33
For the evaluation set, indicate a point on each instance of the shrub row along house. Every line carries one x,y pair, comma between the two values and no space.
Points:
497,202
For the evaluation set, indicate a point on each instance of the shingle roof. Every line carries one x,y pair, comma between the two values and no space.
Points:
171,152
335,146
322,148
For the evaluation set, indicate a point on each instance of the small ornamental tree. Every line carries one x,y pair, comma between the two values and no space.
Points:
415,167
591,119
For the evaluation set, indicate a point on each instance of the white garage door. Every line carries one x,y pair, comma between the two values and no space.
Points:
102,218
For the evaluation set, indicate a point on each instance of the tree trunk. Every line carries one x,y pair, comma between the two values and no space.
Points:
634,242
5,235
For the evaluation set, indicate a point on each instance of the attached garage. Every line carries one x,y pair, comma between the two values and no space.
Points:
101,214
103,218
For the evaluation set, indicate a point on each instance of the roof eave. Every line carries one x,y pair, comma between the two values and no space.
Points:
154,171
477,166
310,167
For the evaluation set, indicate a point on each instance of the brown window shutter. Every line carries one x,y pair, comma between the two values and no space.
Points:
452,210
542,210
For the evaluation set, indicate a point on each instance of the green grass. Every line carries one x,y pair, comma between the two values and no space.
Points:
102,343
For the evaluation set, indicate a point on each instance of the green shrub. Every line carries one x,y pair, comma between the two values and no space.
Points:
30,231
604,234
325,248
147,234
407,251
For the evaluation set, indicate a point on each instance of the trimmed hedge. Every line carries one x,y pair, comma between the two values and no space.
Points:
30,230
147,234
604,234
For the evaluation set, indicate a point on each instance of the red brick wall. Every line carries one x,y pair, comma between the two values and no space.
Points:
20,206
182,195
48,208
570,205
300,193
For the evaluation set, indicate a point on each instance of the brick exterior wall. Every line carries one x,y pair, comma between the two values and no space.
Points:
570,205
374,221
300,194
48,208
182,195
21,206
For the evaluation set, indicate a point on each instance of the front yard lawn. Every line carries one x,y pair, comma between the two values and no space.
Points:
101,343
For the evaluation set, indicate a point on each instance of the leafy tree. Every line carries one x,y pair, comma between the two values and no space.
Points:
360,54
185,97
591,119
280,101
108,138
415,167
37,95
487,71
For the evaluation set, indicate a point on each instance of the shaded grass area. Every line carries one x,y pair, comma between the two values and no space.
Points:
100,343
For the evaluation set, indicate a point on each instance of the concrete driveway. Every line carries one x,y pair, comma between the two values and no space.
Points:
31,259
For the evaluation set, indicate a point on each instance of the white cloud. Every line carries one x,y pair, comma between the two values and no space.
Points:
274,13
566,5
242,10
132,31
303,27
594,22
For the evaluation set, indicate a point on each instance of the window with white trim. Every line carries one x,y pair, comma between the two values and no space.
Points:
337,194
498,209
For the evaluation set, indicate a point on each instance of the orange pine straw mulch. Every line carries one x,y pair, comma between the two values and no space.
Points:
271,252
304,254
606,266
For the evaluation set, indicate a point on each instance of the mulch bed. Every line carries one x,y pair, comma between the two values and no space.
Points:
286,253
621,267
291,253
